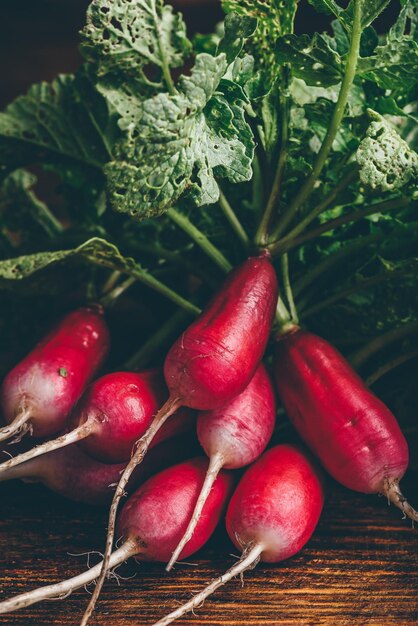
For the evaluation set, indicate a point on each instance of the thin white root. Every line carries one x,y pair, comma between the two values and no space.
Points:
142,446
75,435
396,497
215,465
63,589
18,427
249,559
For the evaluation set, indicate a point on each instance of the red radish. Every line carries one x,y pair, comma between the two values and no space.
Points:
70,472
271,515
211,362
233,437
355,436
151,524
113,413
38,394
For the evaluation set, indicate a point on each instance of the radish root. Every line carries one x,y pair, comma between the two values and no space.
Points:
75,435
142,446
249,559
61,590
18,427
215,465
395,496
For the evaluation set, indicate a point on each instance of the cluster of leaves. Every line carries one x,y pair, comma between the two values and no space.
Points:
153,120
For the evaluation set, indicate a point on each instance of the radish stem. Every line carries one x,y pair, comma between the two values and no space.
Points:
320,208
338,114
249,559
63,589
215,465
200,239
388,367
288,288
380,342
282,246
142,357
233,220
261,236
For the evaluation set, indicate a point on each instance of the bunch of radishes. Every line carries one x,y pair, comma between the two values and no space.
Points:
214,367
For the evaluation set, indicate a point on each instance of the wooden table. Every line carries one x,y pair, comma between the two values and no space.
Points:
361,567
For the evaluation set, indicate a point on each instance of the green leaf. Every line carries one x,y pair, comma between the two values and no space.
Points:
386,161
393,66
310,58
45,267
329,7
65,119
20,209
370,10
182,142
274,19
407,22
237,29
133,38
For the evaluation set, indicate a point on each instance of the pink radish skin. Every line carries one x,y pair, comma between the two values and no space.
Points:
271,516
233,437
151,524
39,392
352,432
113,413
74,475
216,357
158,513
121,407
212,362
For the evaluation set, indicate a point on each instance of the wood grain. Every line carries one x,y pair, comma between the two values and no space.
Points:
361,567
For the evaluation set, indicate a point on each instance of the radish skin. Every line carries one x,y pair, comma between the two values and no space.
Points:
113,413
210,363
271,516
351,431
71,473
233,437
167,497
39,392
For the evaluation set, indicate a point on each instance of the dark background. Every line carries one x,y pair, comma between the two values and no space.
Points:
38,38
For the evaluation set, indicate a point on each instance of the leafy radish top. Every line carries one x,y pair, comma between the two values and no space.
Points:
257,134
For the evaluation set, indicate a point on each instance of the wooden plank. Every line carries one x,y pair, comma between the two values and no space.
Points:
361,567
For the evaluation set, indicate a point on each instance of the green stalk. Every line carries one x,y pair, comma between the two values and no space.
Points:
387,367
281,246
333,260
320,208
288,288
164,63
261,236
338,114
360,286
109,298
283,317
200,239
174,257
144,277
233,220
158,340
382,341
